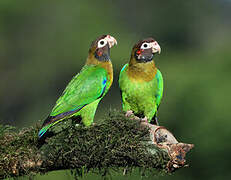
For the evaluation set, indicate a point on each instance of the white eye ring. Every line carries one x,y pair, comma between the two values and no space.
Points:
145,46
102,43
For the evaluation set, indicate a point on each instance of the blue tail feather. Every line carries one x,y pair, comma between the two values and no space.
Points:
43,130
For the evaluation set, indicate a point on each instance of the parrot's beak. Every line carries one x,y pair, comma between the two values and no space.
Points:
155,47
111,40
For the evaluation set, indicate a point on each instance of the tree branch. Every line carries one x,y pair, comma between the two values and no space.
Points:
115,143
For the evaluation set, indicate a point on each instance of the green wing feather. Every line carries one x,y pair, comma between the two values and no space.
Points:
83,89
160,87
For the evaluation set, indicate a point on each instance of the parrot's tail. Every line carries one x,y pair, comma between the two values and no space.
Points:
44,130
50,121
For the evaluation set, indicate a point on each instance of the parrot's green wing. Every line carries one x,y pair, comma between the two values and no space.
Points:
86,87
160,86
83,89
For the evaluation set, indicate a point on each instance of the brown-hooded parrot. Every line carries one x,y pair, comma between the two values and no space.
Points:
141,83
84,92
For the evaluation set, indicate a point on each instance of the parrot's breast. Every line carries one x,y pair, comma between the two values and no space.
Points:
139,93
141,72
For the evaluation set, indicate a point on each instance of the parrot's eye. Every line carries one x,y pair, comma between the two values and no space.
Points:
145,46
102,43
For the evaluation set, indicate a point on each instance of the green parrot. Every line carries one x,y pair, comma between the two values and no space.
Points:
141,83
84,92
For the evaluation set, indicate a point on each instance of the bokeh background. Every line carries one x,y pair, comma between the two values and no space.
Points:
43,44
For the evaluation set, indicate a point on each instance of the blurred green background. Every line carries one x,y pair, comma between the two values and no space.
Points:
43,44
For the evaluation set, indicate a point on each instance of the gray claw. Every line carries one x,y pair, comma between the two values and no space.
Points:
129,113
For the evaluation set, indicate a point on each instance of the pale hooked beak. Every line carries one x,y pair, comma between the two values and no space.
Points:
111,40
155,47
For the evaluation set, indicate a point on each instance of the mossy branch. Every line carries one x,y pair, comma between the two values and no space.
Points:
116,142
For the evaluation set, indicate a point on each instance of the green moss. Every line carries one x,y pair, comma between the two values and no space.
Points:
114,144
16,147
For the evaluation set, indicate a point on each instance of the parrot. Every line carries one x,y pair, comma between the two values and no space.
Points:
141,83
84,92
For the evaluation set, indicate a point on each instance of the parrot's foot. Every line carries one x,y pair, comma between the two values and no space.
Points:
155,121
75,120
144,120
129,113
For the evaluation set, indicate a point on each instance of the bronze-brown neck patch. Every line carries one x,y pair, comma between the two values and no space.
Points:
141,71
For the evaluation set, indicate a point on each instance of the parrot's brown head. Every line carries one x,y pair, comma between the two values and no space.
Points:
100,48
144,50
